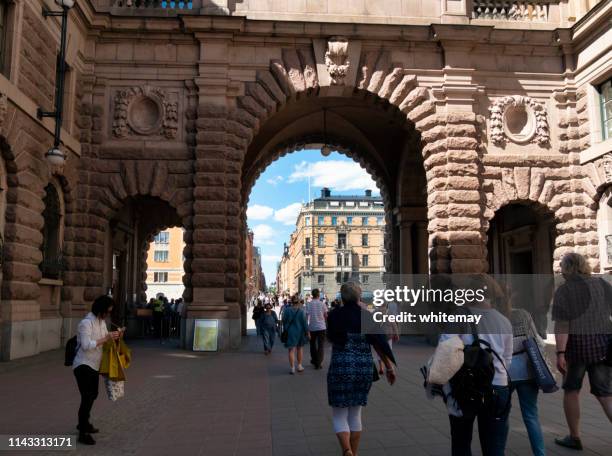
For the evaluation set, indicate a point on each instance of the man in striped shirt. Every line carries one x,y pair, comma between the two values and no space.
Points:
316,311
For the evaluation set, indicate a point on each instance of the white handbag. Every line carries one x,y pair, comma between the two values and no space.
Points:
446,360
114,389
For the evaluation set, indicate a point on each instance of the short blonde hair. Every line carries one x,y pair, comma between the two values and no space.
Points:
573,264
350,292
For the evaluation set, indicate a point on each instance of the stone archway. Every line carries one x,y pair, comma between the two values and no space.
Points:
227,135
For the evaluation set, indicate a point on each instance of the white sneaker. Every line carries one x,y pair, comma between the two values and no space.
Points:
300,368
292,371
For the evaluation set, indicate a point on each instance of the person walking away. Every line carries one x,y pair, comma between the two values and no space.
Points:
269,325
581,311
258,310
495,330
521,372
391,332
316,311
91,336
351,368
296,328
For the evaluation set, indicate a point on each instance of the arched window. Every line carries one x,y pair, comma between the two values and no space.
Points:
52,264
604,227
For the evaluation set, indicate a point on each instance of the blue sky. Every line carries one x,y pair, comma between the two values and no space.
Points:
281,189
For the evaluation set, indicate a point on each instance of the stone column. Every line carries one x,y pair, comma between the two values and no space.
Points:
220,146
405,228
421,247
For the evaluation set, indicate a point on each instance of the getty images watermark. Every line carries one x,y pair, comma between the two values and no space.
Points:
409,296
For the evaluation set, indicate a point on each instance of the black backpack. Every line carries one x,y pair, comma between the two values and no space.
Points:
472,385
71,351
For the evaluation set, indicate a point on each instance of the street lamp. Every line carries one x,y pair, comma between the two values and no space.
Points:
54,155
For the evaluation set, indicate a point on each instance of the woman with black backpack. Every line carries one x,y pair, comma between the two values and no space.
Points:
480,389
91,336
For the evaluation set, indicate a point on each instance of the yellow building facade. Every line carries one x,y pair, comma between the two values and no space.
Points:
337,239
165,264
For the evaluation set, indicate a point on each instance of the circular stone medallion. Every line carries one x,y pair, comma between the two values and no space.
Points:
519,123
145,115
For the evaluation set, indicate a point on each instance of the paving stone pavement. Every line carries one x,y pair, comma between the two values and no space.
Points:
245,404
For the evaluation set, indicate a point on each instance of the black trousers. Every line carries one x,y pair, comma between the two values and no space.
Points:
87,381
317,347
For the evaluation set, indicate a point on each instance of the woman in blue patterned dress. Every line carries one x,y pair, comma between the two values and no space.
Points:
352,367
296,325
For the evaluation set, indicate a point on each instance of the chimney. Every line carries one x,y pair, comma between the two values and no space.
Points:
368,193
325,192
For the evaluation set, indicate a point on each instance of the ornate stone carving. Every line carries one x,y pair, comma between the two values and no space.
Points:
606,167
520,119
504,10
145,111
336,59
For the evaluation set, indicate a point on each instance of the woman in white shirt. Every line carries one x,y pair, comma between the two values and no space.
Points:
91,336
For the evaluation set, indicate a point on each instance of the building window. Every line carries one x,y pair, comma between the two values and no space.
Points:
349,220
307,221
605,96
346,260
379,220
160,277
161,256
347,276
364,221
321,240
338,277
342,240
163,237
364,278
364,260
364,240
52,264
339,259
320,278
321,260
334,221
307,263
321,220
5,27
307,242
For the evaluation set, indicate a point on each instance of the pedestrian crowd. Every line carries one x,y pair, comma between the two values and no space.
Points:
476,370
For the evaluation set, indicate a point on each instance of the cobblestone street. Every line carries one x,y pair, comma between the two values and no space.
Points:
243,403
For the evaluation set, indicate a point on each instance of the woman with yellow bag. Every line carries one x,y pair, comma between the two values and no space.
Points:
116,357
92,334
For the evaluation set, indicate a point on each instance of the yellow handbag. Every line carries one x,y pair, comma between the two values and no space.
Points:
116,357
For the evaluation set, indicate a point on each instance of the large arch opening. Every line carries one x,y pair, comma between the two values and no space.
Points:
377,136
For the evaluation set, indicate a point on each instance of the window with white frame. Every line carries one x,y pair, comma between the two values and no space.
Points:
163,237
160,277
160,256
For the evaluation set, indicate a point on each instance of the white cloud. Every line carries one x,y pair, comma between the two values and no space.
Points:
336,174
259,212
270,258
275,180
288,215
264,235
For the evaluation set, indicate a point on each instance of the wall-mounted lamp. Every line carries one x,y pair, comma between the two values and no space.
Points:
54,155
326,150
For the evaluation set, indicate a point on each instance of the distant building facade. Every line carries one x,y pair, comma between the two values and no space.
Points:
337,239
254,277
165,264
